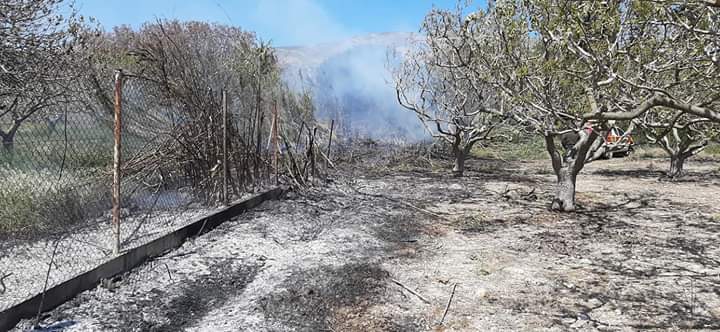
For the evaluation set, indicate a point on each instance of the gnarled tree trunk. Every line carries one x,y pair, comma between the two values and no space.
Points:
684,148
677,163
8,139
567,168
564,199
459,165
8,143
460,151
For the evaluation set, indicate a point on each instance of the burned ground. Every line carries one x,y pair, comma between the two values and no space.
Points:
640,253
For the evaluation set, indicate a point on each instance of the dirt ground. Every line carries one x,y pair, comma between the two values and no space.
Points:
639,254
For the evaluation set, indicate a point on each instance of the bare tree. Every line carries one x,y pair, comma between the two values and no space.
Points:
260,65
439,81
37,60
680,135
175,72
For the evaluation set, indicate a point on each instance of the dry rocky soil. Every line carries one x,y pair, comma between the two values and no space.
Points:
640,254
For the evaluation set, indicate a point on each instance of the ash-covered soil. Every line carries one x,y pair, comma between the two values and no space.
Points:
640,253
77,250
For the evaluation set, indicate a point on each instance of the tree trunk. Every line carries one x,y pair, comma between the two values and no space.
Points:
8,142
565,190
460,152
459,166
567,168
677,162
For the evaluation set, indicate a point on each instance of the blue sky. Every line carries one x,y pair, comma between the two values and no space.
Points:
285,22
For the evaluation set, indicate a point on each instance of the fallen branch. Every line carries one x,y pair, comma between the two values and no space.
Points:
47,279
178,255
327,159
168,271
411,291
447,307
399,202
2,282
420,209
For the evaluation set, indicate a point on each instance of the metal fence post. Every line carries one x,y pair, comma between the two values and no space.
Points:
117,158
224,147
276,146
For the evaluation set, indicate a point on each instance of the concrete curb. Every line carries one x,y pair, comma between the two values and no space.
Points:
126,261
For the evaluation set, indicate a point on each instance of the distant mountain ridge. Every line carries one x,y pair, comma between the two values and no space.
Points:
313,55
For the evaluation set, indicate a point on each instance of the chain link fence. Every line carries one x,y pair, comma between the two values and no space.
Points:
74,192
54,200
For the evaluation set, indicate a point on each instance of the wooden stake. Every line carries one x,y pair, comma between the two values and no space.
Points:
275,145
447,307
225,148
117,159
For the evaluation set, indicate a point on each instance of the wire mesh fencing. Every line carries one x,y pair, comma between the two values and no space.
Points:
83,182
54,200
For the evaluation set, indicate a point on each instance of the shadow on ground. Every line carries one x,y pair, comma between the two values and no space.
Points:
641,262
332,299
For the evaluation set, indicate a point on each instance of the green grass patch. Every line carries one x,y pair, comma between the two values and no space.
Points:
512,151
37,202
33,199
713,150
648,152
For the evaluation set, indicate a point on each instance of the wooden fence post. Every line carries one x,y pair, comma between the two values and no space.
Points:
225,197
276,146
117,159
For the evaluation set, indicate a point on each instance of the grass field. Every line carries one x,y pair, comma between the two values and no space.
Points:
54,178
513,151
535,150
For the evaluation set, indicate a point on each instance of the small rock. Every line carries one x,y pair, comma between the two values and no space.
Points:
568,321
594,303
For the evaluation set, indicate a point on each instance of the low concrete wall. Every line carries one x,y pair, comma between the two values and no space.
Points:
126,261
